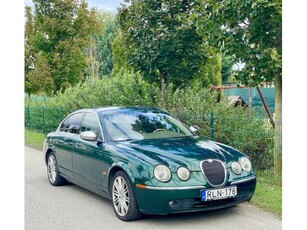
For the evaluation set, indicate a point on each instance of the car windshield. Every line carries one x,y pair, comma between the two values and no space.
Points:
136,125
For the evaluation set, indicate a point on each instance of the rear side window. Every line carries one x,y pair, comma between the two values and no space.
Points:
90,123
72,123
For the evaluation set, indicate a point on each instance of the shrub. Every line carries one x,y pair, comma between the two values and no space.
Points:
193,105
232,126
124,88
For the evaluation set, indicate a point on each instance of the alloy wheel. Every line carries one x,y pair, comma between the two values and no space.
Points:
120,194
52,169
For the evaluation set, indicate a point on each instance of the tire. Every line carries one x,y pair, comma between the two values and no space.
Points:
53,173
123,198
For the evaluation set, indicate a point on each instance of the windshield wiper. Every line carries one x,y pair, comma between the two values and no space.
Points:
128,139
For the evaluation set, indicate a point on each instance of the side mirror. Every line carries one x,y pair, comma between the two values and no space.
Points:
88,136
194,128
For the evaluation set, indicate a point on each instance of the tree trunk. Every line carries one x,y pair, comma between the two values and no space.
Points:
278,126
163,79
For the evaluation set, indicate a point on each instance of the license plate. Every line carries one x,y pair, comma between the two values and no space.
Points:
217,194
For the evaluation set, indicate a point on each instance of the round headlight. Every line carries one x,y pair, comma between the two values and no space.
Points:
245,164
236,167
162,173
183,173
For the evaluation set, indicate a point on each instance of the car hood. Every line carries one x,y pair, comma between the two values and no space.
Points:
176,152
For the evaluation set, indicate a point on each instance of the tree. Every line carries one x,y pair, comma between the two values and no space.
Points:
40,79
227,68
29,51
104,43
162,42
60,31
120,53
251,32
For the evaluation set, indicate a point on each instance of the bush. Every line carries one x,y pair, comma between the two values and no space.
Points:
125,88
193,105
232,126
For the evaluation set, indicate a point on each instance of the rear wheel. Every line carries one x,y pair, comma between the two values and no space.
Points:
123,198
53,173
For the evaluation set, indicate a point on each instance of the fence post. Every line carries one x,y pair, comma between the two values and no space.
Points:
212,126
43,120
28,120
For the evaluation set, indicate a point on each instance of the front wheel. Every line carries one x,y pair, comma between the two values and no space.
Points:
123,198
53,173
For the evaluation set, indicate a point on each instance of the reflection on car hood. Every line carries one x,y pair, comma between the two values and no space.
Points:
176,152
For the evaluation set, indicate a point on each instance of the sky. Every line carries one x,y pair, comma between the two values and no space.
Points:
111,5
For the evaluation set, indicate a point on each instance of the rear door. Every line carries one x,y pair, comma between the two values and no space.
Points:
65,142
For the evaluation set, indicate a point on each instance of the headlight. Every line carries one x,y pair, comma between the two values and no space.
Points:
236,167
245,164
183,173
162,173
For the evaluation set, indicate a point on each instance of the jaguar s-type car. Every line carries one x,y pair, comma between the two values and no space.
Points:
146,161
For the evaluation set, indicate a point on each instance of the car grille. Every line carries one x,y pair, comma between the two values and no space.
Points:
214,171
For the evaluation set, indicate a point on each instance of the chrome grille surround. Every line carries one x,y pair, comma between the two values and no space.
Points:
215,175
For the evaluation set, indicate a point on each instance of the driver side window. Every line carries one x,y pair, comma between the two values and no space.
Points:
90,123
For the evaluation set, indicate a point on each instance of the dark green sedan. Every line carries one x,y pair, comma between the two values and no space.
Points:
146,161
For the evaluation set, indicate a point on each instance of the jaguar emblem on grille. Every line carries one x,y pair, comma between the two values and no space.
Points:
210,160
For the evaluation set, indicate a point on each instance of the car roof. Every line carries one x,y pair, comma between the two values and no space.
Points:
120,109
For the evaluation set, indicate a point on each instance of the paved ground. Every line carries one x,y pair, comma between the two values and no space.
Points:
72,207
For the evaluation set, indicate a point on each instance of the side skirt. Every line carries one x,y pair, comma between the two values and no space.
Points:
87,187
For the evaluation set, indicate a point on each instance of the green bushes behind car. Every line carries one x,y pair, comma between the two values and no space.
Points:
193,105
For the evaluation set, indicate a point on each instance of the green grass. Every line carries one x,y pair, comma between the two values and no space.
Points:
34,139
268,194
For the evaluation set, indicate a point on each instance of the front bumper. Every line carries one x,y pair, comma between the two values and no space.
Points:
166,200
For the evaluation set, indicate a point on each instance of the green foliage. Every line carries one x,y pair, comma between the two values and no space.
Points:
120,53
29,51
104,43
162,41
193,105
211,71
227,70
249,31
39,80
58,31
124,88
232,126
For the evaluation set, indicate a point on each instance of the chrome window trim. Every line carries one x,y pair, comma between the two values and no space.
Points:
225,172
243,180
176,188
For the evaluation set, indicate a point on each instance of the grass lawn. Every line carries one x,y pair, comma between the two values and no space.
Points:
34,139
268,194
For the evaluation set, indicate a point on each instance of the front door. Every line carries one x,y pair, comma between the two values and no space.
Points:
88,162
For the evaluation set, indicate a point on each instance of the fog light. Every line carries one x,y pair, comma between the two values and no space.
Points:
172,203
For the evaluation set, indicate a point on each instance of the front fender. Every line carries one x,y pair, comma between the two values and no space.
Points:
136,173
